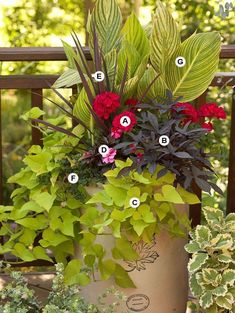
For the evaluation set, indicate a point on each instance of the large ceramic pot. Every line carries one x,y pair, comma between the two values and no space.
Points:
160,275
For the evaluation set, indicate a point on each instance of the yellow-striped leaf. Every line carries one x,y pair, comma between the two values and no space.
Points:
135,35
165,38
107,19
81,110
128,53
157,89
201,52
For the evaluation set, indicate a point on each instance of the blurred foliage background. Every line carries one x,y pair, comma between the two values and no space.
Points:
26,23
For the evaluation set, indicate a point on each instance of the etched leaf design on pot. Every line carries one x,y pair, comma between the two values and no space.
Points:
201,52
165,38
147,255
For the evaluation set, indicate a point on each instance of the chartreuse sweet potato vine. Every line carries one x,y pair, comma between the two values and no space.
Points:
46,206
212,266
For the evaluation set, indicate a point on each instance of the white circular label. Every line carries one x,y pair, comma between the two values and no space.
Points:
103,150
73,178
125,121
135,203
98,76
164,140
180,61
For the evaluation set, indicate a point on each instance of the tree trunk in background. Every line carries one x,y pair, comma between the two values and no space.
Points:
88,6
137,6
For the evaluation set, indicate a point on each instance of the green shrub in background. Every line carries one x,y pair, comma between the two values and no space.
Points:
18,297
212,266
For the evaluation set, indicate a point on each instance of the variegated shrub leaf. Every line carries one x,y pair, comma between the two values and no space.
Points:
225,302
203,235
228,277
195,287
209,275
216,276
206,300
213,216
165,38
197,261
201,52
222,241
192,247
220,291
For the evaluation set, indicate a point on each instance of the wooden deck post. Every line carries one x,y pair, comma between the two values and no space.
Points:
231,174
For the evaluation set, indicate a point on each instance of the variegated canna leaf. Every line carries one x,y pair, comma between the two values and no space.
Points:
201,52
134,33
107,20
165,38
128,53
158,89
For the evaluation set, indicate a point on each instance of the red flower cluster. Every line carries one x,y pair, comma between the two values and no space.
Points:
106,104
208,110
189,111
123,122
211,110
131,102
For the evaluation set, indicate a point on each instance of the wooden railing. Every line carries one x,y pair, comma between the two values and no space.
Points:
36,83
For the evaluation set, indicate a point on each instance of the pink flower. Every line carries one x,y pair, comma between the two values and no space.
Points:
116,133
208,126
109,157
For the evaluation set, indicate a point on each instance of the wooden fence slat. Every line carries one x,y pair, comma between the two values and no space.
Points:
231,174
36,101
37,54
27,81
195,209
41,81
1,155
57,53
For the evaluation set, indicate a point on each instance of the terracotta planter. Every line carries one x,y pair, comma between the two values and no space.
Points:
160,275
